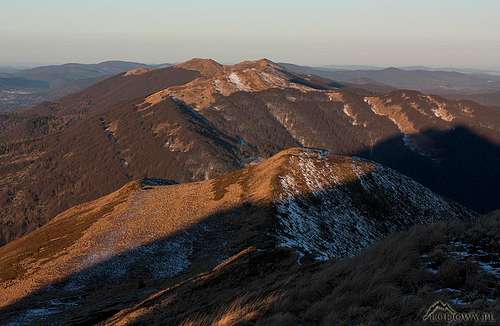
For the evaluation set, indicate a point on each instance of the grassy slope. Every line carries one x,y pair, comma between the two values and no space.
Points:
391,283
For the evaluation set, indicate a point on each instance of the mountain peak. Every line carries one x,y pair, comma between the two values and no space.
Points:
246,76
206,67
392,69
257,64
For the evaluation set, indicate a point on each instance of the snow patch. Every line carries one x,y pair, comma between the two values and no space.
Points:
347,109
439,109
401,121
313,220
137,71
218,86
272,80
445,290
28,317
459,302
319,215
489,262
235,79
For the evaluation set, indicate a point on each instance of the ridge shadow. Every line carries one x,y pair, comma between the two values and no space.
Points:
467,170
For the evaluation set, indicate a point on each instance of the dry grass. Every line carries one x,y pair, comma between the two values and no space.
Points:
243,309
388,284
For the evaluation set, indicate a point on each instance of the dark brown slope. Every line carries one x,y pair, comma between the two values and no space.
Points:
103,256
91,143
100,153
53,116
137,83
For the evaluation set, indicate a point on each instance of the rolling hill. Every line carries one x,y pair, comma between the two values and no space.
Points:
424,80
298,207
20,89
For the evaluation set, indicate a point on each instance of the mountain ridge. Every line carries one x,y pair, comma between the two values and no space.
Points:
319,206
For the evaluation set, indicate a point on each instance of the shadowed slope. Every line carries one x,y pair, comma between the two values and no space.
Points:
393,282
464,166
101,153
120,88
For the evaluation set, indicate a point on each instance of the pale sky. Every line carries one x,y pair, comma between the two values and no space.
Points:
460,33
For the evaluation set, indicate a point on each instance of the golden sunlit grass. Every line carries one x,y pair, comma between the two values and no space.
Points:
244,308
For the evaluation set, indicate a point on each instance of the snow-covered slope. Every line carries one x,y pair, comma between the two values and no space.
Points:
332,207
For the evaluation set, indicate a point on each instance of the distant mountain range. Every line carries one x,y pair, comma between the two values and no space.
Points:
453,83
26,87
21,88
477,71
490,99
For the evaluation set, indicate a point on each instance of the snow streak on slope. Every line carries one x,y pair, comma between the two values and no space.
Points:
329,208
307,227
348,111
400,119
439,109
287,120
405,193
235,79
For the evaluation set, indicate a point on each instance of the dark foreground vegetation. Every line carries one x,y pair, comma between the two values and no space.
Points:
391,283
